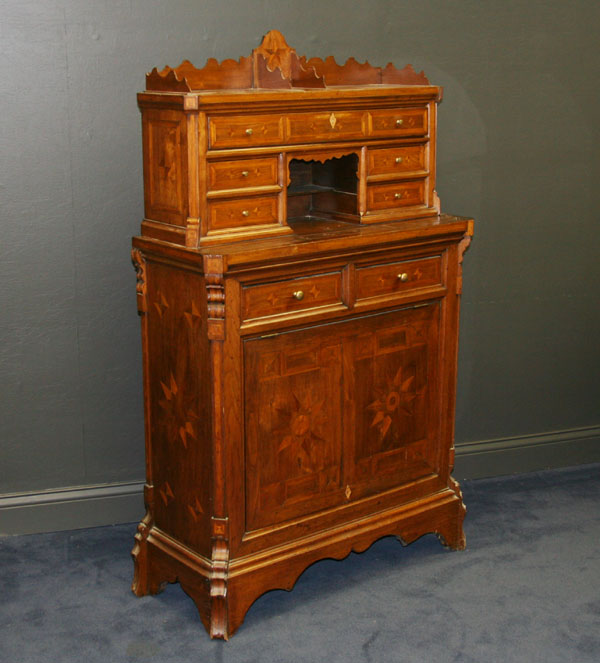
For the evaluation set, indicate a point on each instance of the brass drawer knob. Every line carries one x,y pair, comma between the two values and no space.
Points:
399,123
245,173
299,295
403,277
245,212
397,196
249,132
398,159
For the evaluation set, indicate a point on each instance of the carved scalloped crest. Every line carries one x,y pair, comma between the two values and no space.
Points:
215,75
405,76
274,65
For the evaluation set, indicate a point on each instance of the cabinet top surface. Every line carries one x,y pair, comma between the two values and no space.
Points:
317,237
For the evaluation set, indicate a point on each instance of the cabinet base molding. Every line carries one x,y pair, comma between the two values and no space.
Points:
223,592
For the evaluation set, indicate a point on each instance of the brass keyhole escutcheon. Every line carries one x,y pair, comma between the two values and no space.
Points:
245,212
249,132
399,123
403,277
348,492
299,295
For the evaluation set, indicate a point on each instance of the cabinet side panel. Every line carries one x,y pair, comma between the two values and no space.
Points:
165,166
179,396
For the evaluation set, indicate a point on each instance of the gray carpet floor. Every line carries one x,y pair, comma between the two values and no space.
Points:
527,589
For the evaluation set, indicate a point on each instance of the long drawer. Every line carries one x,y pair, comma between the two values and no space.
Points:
395,278
269,299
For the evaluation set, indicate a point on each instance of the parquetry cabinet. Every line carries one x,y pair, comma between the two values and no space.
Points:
299,297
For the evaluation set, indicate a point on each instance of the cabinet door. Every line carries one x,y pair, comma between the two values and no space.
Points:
391,368
340,411
293,436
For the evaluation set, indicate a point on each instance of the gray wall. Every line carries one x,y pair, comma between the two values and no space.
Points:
518,150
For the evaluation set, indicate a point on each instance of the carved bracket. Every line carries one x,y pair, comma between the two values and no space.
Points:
463,245
215,295
140,287
218,577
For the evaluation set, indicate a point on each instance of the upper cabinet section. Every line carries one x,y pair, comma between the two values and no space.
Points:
246,148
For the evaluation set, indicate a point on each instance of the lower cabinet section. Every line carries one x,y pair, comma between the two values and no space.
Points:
339,412
297,407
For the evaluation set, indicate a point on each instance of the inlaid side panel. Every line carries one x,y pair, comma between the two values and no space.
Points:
165,166
179,394
393,376
293,437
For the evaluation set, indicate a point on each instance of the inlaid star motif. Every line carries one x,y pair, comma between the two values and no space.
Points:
166,493
161,305
195,509
393,401
179,418
299,427
193,315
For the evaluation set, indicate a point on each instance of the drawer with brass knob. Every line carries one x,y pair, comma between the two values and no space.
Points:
395,194
310,292
245,131
395,278
391,161
398,122
242,212
240,174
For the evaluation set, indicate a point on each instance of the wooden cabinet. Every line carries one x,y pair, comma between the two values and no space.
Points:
299,297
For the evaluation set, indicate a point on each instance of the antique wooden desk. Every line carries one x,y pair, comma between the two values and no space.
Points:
299,297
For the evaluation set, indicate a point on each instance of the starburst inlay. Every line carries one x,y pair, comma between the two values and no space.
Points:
393,400
300,427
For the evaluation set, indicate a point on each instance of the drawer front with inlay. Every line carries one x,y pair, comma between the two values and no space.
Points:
245,130
399,122
397,277
250,211
313,127
396,194
268,299
396,160
241,174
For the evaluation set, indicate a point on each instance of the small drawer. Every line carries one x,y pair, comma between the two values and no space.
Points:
396,277
241,174
396,194
242,212
314,127
396,160
268,299
245,130
399,122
